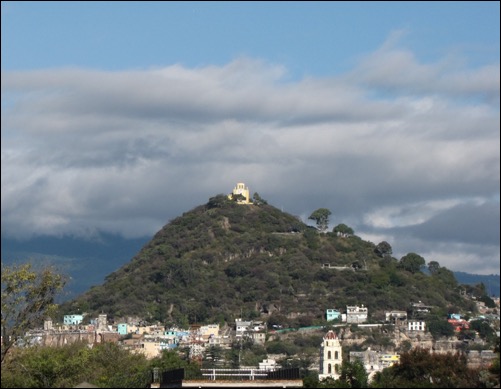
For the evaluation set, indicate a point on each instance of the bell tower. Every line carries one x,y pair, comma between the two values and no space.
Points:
331,356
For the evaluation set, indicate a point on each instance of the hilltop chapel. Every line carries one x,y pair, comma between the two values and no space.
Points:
242,190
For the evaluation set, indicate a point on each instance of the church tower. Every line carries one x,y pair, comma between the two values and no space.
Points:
331,356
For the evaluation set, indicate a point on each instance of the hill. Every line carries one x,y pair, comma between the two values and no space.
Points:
224,260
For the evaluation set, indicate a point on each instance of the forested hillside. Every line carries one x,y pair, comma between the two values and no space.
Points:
223,260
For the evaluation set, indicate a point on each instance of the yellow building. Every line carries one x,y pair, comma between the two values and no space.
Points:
241,189
387,360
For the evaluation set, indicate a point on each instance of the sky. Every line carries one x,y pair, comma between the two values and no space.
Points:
118,117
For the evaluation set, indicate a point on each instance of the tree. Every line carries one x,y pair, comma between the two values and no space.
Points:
217,201
412,262
439,327
433,267
383,249
27,298
258,200
354,374
321,216
170,359
343,229
106,365
418,368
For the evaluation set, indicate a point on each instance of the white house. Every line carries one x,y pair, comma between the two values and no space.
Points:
356,314
416,326
242,327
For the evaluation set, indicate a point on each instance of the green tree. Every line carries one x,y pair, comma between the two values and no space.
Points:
258,200
27,298
489,303
446,277
412,262
343,229
433,267
354,374
106,365
170,360
482,327
439,327
419,368
217,201
383,249
321,217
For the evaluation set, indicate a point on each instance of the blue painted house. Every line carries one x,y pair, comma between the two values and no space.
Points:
73,319
332,314
122,328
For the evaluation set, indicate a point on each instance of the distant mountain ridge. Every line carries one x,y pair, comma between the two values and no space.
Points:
490,281
85,261
223,260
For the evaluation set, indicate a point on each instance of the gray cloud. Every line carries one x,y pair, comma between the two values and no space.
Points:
464,223
123,152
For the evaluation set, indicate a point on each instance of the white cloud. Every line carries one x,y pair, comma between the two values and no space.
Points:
396,69
124,152
405,215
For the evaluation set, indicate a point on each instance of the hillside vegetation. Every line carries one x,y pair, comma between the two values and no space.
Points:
224,260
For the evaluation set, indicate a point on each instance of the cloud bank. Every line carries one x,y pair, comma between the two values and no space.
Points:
399,150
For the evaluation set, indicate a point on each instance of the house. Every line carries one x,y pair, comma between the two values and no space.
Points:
151,348
356,314
122,328
459,325
415,325
269,365
369,358
332,314
398,318
242,327
72,319
221,341
258,337
209,331
331,356
387,360
420,309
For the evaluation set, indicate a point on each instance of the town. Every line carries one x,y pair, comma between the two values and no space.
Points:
348,328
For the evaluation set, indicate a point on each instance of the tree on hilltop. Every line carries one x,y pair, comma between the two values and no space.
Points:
258,200
412,262
321,216
383,249
343,229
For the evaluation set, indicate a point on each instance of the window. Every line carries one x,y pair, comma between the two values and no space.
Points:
336,355
329,369
329,356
